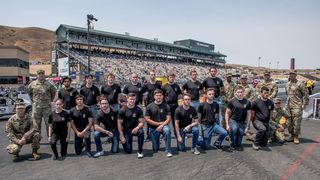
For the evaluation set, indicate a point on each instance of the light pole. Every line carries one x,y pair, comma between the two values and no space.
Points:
269,65
277,64
90,18
259,58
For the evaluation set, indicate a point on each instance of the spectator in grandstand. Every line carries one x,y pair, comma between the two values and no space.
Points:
59,129
213,82
112,92
186,121
130,123
134,87
149,88
171,93
91,94
158,117
81,123
67,94
208,113
108,117
192,87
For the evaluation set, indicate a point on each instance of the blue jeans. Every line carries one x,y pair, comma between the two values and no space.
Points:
236,132
155,138
127,146
115,140
195,104
94,110
195,135
208,130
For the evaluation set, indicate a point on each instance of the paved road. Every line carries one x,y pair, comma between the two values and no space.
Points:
288,160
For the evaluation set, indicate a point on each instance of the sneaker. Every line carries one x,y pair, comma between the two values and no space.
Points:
54,157
98,154
140,155
89,154
255,147
195,151
169,155
216,146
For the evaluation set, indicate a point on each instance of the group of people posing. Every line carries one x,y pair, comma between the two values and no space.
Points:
118,114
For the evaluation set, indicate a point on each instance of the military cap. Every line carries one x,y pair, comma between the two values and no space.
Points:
243,76
20,105
229,75
293,72
275,100
40,71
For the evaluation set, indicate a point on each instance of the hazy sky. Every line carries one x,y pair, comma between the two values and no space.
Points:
275,30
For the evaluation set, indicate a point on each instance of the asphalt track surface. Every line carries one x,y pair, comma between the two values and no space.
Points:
278,161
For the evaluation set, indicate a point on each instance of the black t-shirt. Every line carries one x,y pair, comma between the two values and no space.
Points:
208,112
262,110
109,120
185,116
111,93
171,93
193,89
215,83
90,95
80,117
69,97
130,117
59,122
158,112
150,88
239,109
137,89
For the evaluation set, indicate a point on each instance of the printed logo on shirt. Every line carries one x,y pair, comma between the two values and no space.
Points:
134,115
175,89
161,110
62,118
139,89
218,82
112,118
190,116
269,107
92,92
71,94
83,115
114,91
245,106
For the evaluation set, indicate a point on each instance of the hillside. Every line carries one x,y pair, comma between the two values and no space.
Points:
35,40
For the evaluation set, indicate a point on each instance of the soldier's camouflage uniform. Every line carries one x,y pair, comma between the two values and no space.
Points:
274,123
273,88
16,128
41,95
225,98
297,97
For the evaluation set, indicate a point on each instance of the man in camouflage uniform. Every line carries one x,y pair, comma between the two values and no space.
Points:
268,83
228,94
297,99
248,90
41,93
20,131
276,128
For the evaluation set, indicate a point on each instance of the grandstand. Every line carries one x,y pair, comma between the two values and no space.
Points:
117,53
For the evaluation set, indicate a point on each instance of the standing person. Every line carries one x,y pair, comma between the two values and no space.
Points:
112,92
59,129
91,94
208,113
213,82
20,131
108,117
134,87
229,90
186,121
192,87
130,123
171,93
276,131
149,88
41,93
262,109
67,94
268,82
158,117
237,113
297,99
248,89
81,123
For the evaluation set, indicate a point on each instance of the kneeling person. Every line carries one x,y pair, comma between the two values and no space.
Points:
20,131
108,117
130,123
186,121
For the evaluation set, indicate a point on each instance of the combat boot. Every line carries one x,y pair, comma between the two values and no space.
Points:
296,139
35,154
15,157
